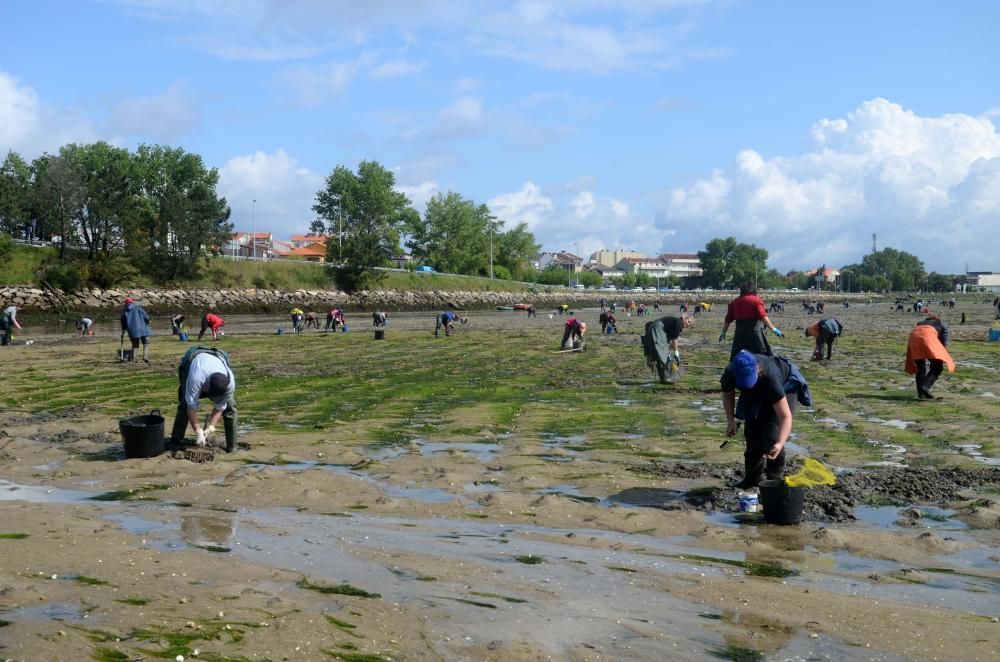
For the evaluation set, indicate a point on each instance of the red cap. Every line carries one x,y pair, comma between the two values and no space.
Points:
129,300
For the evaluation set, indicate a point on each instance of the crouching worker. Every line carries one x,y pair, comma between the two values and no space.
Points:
446,321
927,354
205,373
765,382
573,332
825,331
660,344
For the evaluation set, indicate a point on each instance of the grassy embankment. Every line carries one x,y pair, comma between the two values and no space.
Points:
25,262
600,408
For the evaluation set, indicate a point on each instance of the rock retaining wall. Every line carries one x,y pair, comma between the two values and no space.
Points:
254,300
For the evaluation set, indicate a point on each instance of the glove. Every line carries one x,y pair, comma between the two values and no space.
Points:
778,333
722,336
201,437
209,431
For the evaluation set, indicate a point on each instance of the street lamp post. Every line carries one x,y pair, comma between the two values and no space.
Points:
491,252
253,228
576,247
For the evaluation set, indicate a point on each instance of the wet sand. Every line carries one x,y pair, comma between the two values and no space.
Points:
458,538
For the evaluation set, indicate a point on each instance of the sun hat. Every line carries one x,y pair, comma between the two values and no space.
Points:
744,367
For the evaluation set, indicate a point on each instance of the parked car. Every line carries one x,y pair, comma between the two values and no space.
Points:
426,268
650,289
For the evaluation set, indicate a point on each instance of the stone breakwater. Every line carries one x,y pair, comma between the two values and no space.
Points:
267,301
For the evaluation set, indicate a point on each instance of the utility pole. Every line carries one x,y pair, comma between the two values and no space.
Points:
340,245
253,227
491,251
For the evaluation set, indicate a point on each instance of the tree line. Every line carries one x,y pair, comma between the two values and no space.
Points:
114,213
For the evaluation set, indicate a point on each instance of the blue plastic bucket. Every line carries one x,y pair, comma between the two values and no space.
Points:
182,336
343,329
994,335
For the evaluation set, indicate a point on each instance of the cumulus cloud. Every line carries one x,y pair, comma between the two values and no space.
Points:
30,127
568,215
285,192
927,185
315,85
161,118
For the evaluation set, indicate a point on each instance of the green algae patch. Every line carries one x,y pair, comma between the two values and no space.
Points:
102,654
4,623
529,559
14,536
90,581
496,596
135,602
344,626
133,494
737,654
356,657
218,549
753,568
338,589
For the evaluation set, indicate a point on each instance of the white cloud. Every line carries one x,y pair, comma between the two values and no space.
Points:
465,86
315,85
397,68
285,192
462,117
927,185
30,127
419,194
569,215
162,118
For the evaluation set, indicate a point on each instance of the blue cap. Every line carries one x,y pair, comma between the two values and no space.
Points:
744,367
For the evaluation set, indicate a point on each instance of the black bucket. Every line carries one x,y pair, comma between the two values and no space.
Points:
379,334
142,435
782,504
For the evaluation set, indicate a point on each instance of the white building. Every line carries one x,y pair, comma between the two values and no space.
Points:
681,265
982,281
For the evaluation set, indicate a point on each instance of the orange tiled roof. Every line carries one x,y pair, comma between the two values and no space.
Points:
310,250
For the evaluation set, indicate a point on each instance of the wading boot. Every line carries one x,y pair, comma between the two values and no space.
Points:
753,473
230,426
180,425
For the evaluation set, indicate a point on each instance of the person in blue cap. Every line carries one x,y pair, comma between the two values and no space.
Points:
766,411
445,320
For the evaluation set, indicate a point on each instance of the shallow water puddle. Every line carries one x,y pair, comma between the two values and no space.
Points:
892,422
39,493
50,611
483,452
974,451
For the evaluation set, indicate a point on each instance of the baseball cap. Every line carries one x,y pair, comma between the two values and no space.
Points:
744,367
129,300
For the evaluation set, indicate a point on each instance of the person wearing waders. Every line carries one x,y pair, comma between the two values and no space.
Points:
213,322
380,319
83,325
747,311
135,322
334,317
573,331
926,354
444,321
177,323
8,322
660,343
825,332
205,372
297,317
765,382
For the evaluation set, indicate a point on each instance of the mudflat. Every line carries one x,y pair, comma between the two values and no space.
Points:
484,497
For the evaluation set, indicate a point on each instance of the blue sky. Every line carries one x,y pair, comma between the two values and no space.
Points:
651,125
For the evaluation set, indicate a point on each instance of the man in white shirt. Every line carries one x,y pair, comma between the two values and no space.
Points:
205,373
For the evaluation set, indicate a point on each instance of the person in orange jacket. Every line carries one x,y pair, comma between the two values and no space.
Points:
926,354
213,322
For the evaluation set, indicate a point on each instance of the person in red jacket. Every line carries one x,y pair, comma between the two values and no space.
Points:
213,322
748,311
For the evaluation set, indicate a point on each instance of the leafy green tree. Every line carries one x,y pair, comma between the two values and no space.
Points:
515,249
554,274
591,278
176,214
453,235
370,214
940,282
58,196
15,192
726,262
889,269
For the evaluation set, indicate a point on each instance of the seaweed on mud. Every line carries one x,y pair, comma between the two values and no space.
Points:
343,626
339,589
178,642
356,657
753,568
496,596
91,581
135,602
474,603
14,536
101,654
529,559
218,549
737,654
130,494
4,623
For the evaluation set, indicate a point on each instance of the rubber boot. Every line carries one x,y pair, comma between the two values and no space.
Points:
753,473
145,353
229,423
180,425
